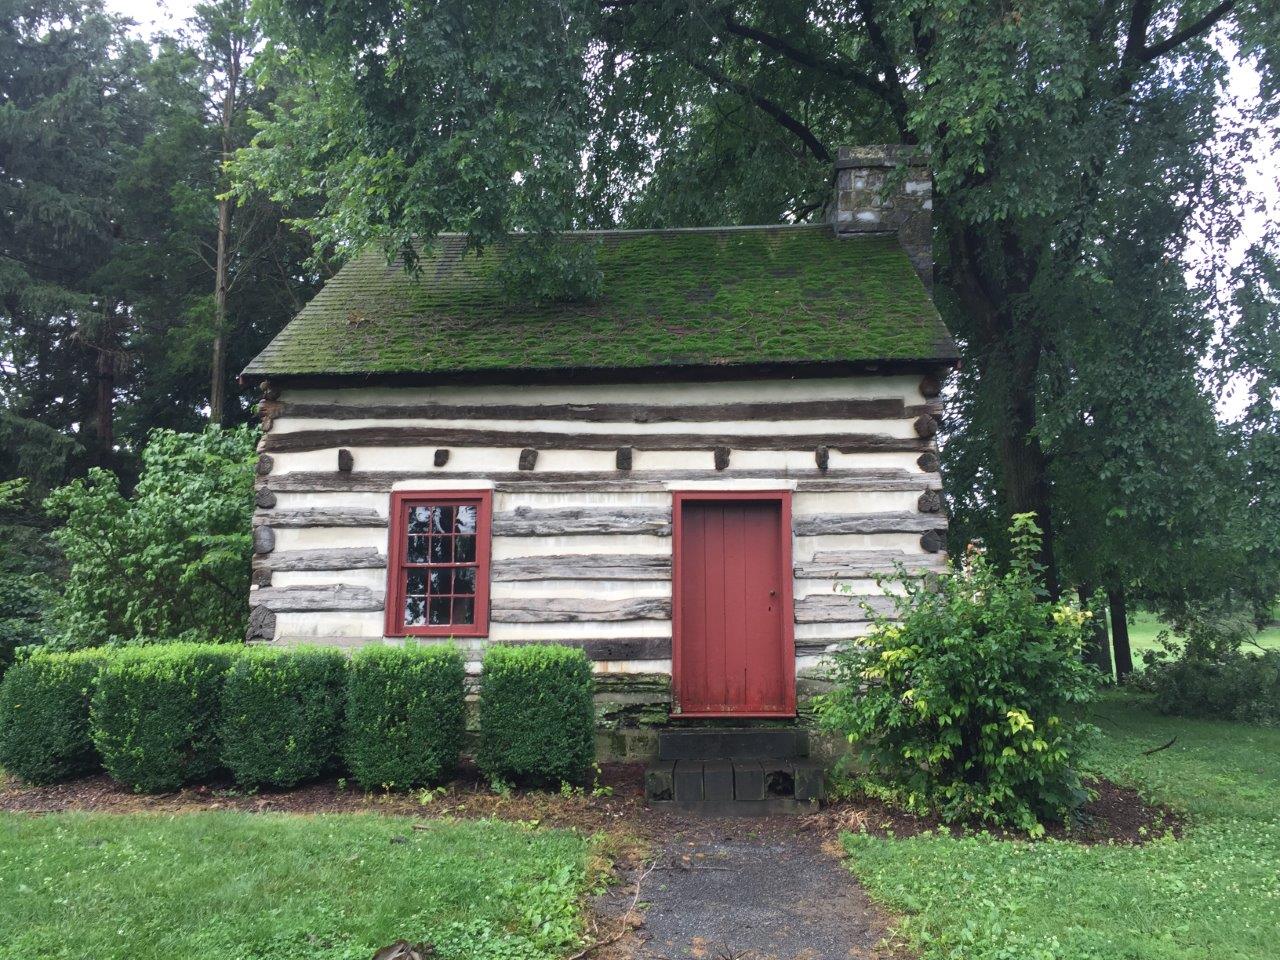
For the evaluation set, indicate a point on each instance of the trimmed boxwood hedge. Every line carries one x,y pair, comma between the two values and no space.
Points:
282,715
44,716
155,714
405,714
537,718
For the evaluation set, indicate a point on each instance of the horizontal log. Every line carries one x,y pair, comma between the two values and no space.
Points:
586,566
575,521
933,408
337,558
837,564
323,597
577,609
612,648
820,524
841,409
305,440
840,608
381,481
322,517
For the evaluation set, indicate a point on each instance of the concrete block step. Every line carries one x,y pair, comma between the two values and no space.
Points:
730,743
763,786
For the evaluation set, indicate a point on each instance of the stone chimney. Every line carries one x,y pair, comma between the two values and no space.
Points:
887,189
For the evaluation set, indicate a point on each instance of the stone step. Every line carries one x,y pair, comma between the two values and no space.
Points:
737,786
733,743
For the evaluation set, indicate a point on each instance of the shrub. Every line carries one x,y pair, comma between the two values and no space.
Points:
170,561
406,713
964,706
155,714
537,718
1229,685
44,716
282,715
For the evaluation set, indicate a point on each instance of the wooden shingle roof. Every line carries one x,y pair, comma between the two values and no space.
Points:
747,296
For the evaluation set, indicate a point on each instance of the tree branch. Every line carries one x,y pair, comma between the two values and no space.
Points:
838,67
1189,32
1136,36
883,54
805,135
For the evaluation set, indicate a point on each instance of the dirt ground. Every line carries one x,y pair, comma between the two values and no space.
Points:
685,887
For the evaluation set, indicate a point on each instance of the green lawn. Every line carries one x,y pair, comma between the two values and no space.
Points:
226,886
1214,894
1143,628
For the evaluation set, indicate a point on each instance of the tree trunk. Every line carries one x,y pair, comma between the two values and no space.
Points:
218,365
104,440
1099,653
1011,348
1120,631
221,281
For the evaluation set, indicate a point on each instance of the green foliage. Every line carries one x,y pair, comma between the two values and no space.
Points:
1209,893
172,561
33,460
405,715
967,704
282,715
75,113
44,716
537,717
550,271
155,714
1226,684
284,887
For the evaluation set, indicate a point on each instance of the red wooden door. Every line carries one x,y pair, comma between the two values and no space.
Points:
733,643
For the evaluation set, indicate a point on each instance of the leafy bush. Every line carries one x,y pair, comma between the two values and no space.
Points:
155,713
28,559
282,715
965,705
537,718
172,561
405,714
44,716
1228,685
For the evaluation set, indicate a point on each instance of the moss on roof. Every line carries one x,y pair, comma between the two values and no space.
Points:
736,296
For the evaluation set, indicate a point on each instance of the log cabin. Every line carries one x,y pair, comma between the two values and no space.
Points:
674,475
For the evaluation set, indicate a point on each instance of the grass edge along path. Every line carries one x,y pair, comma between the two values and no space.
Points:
1213,893
240,886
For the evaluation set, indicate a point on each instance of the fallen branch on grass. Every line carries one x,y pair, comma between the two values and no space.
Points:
1163,746
623,925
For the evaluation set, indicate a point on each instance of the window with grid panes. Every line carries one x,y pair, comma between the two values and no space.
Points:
439,564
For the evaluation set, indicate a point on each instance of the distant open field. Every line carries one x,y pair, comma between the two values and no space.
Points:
1144,627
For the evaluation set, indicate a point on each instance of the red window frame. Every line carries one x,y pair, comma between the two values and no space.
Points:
398,530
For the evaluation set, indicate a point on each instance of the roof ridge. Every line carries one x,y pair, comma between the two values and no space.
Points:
661,231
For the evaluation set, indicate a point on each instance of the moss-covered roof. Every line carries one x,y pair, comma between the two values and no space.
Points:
670,298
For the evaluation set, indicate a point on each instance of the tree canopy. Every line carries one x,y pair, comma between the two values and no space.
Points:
1088,180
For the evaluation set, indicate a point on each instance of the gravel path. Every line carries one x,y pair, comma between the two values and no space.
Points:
750,890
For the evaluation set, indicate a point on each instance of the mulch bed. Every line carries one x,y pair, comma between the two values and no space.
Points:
1116,815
